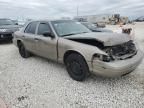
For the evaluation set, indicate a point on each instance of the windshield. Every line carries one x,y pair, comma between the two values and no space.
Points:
66,28
6,22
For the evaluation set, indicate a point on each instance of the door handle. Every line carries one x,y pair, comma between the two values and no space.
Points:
23,36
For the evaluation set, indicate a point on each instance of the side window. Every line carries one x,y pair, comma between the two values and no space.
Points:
31,28
43,27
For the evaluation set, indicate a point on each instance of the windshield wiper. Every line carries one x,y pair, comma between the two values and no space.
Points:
84,32
72,34
68,34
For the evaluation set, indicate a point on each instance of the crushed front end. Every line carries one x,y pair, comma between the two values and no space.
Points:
120,59
122,51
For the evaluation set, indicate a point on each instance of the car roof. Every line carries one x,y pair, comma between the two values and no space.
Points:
49,20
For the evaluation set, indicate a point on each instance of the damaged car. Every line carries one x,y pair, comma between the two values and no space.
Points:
81,50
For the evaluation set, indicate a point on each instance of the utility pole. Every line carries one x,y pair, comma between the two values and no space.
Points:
77,10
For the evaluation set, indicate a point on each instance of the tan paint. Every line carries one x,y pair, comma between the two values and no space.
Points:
55,48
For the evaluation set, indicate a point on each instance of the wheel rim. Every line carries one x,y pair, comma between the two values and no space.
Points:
76,68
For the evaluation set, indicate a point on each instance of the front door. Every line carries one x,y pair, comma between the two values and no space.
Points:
45,46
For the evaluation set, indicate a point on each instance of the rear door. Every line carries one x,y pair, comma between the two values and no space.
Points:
46,46
29,36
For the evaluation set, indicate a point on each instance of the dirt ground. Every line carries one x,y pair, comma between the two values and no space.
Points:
40,83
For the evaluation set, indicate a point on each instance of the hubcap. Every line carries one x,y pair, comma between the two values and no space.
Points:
76,68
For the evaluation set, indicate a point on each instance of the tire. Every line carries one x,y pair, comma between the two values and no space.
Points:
23,52
77,67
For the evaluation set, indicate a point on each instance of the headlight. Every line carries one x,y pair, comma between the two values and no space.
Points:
102,57
3,30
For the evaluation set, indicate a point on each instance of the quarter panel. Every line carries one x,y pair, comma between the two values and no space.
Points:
87,51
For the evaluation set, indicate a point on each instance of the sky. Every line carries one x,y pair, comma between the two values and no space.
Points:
38,9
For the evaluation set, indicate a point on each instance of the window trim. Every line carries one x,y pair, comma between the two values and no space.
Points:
43,22
28,25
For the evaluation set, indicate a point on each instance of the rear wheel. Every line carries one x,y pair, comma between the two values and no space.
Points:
23,52
77,67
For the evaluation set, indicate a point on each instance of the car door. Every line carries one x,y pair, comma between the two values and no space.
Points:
46,46
29,36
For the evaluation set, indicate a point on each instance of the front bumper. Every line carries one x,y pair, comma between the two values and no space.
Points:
6,36
117,68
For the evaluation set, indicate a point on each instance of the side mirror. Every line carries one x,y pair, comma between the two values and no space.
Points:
48,34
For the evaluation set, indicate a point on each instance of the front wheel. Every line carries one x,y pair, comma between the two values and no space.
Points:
77,67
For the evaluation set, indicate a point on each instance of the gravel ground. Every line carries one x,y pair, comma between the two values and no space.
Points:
41,83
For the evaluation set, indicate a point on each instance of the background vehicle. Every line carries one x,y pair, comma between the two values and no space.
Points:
94,28
7,28
100,24
82,51
140,19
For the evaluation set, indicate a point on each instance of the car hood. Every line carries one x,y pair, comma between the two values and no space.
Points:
108,39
